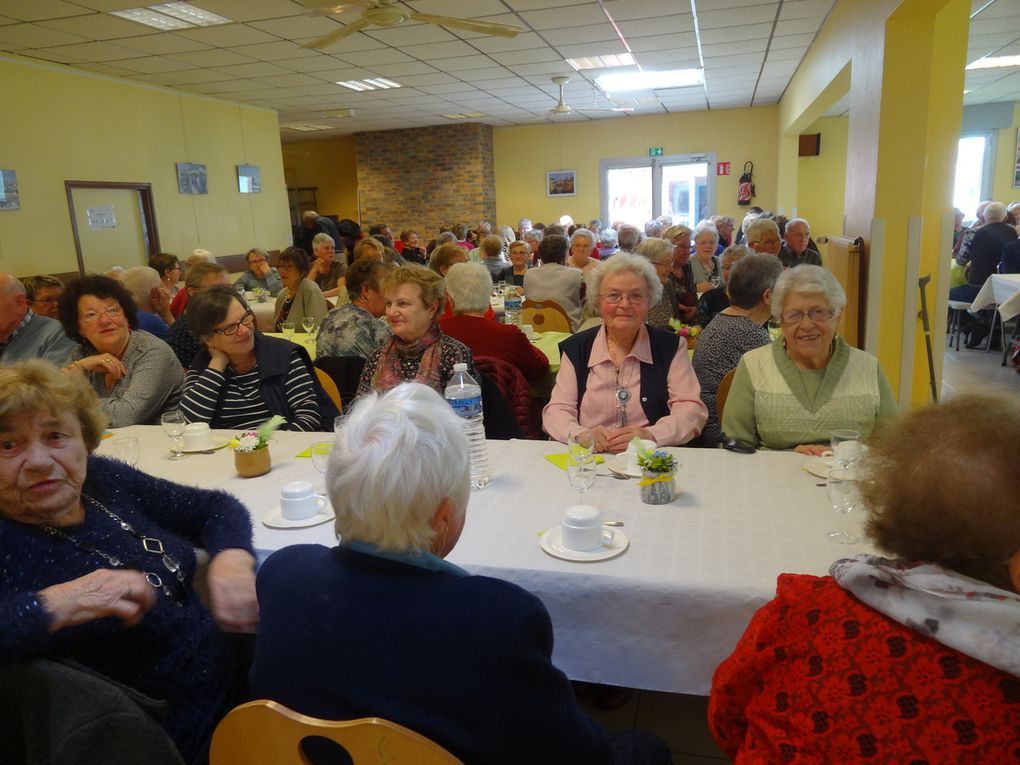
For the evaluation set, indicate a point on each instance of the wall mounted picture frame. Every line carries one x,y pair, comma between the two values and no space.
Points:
10,199
249,179
561,183
192,178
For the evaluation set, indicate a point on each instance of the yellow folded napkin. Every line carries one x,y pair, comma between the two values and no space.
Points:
560,460
306,453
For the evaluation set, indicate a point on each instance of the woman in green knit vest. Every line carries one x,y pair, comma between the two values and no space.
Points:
794,393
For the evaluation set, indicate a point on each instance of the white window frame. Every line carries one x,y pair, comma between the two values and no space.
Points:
656,164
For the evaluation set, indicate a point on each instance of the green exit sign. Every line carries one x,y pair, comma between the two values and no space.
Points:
655,151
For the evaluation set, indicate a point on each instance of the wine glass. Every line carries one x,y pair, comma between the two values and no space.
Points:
308,323
320,458
288,329
847,448
173,425
581,461
125,450
841,486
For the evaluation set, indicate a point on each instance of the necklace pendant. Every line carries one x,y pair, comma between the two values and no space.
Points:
152,545
622,395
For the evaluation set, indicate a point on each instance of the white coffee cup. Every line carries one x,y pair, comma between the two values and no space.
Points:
197,436
529,331
298,501
582,531
632,454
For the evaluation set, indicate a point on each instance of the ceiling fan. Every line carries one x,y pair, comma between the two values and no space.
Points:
562,108
387,13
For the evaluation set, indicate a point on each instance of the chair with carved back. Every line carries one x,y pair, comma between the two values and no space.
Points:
545,316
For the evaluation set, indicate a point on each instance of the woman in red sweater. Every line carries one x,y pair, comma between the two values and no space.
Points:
897,660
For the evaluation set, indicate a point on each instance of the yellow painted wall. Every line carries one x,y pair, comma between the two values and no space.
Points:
332,166
62,124
524,154
1005,162
821,180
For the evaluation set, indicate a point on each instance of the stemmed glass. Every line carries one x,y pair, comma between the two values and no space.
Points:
288,329
126,450
308,323
173,425
847,448
320,458
841,487
581,461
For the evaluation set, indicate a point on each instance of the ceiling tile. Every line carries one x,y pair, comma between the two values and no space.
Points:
253,69
212,57
98,26
152,65
791,41
682,24
23,36
537,56
795,9
627,10
296,27
38,10
732,36
187,77
109,69
228,35
553,18
734,17
403,69
281,49
250,10
316,63
162,44
533,5
652,42
380,56
436,78
462,63
575,35
411,35
548,67
96,51
524,41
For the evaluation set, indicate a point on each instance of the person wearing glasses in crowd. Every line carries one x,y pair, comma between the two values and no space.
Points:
241,378
136,375
43,293
624,378
25,334
791,394
300,296
259,274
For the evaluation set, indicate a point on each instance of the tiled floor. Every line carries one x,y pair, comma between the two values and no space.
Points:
975,371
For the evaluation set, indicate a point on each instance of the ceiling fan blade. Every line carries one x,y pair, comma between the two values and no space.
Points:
341,33
469,25
336,6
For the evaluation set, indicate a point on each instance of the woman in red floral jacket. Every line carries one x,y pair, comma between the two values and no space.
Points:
892,661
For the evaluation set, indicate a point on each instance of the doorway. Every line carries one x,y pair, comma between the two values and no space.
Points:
637,190
114,224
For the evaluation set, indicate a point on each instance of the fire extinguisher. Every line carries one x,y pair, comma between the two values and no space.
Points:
745,191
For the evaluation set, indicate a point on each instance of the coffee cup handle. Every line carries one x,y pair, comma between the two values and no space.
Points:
608,537
320,500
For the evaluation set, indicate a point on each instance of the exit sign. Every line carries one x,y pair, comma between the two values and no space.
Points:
655,151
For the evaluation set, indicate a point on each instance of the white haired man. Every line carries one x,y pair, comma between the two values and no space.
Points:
796,247
25,334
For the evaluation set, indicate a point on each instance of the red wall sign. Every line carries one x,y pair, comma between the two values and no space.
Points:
722,168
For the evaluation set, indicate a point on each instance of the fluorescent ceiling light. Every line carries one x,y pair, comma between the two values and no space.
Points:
673,78
994,62
465,116
602,62
307,127
374,83
172,16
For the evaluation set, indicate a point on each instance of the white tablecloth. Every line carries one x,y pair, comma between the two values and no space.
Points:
662,615
1002,290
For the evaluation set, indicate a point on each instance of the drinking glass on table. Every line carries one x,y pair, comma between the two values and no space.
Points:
173,425
581,461
320,458
126,450
308,323
844,496
288,329
847,448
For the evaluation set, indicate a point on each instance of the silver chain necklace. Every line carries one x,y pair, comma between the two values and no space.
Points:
151,545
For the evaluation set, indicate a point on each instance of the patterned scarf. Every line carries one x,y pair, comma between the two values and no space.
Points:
427,350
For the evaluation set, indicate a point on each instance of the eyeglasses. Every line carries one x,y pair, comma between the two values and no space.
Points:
286,267
615,298
247,320
113,312
815,314
46,301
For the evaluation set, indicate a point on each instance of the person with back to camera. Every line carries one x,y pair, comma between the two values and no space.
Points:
463,660
905,660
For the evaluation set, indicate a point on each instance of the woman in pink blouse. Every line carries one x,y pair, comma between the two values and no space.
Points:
625,378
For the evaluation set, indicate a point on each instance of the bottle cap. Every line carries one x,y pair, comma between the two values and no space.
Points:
460,366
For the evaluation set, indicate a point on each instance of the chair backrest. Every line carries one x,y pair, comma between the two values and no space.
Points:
515,389
266,733
346,373
545,316
723,391
330,387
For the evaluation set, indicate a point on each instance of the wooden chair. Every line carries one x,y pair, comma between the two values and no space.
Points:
545,316
266,733
330,387
722,392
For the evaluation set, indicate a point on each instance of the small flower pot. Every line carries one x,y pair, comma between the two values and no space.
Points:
253,463
657,488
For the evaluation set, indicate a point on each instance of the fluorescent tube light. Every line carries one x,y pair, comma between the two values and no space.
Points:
994,62
673,78
602,62
190,13
375,83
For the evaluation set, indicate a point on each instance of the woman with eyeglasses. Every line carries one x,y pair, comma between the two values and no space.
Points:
791,394
136,375
242,378
625,378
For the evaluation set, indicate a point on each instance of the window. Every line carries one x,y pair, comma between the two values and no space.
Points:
637,190
974,157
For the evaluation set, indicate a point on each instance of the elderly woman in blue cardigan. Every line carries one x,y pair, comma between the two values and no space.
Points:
793,393
99,558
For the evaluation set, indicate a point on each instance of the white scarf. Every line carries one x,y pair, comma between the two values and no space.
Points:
967,614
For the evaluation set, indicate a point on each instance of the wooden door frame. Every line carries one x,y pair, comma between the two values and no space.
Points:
148,208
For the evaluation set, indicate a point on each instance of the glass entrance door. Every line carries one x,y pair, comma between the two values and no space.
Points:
637,190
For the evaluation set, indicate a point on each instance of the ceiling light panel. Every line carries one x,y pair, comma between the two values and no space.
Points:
192,14
994,62
152,19
674,78
602,62
371,83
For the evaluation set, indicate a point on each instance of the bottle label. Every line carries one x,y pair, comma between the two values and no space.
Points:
467,407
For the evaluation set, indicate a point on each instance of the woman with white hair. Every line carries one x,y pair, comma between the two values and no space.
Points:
582,245
328,266
704,263
464,660
660,254
145,287
793,393
623,378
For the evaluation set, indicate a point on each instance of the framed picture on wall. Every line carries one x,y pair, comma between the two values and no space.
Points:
1016,166
10,199
249,179
561,183
191,178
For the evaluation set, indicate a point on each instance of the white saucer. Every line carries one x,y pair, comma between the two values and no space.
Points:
274,519
218,442
819,466
552,543
618,464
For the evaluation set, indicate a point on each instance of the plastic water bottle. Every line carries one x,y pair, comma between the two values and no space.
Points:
512,306
465,396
